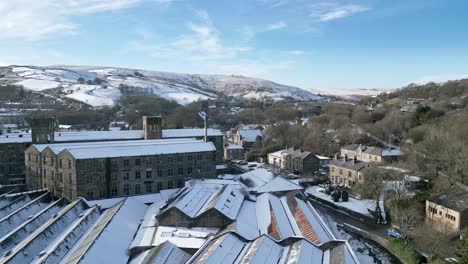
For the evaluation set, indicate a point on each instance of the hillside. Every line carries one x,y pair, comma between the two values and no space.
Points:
100,86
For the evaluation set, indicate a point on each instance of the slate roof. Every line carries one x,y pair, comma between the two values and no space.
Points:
87,136
194,201
112,149
166,253
374,150
453,199
250,135
232,248
351,164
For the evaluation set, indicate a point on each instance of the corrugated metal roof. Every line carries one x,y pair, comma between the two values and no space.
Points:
230,202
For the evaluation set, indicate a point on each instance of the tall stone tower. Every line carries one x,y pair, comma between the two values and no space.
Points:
152,127
43,130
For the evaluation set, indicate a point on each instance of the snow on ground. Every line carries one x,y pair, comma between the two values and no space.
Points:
184,98
360,206
20,69
367,252
38,85
94,95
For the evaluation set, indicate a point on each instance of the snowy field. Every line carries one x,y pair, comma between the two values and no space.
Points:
360,206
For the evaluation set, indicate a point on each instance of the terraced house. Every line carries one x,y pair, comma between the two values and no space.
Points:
370,154
118,168
347,172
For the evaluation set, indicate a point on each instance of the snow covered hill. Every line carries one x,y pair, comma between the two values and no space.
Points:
100,86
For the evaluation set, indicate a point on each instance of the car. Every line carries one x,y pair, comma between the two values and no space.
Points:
252,165
393,233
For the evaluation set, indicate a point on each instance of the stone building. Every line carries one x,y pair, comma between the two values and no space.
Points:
215,136
297,160
96,170
370,154
247,137
233,152
13,145
447,212
347,173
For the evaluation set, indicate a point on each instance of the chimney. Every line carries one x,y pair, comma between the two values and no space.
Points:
302,150
346,157
152,127
355,160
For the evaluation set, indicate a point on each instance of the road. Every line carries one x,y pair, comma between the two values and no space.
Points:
367,251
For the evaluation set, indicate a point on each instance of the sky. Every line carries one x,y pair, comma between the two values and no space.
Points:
312,44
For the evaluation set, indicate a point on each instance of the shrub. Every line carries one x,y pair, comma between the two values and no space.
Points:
344,196
249,156
405,253
336,196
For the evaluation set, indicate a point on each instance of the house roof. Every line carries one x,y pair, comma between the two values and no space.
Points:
226,199
112,149
86,136
374,150
250,135
279,184
233,146
453,199
230,247
351,164
166,253
190,132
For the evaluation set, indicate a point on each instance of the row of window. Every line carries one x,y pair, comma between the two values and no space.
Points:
159,173
433,210
170,158
45,160
127,189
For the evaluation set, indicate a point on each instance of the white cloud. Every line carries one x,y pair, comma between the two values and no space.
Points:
275,26
35,19
202,47
327,11
249,32
274,3
296,52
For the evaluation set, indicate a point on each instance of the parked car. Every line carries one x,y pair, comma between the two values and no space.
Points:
393,233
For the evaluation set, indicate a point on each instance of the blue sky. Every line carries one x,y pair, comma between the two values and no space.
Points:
306,43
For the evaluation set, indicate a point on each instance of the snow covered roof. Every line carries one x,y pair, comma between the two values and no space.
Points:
322,157
190,132
391,152
277,154
351,164
226,199
166,253
232,248
82,136
257,178
111,246
112,149
233,146
250,135
76,136
279,184
183,237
